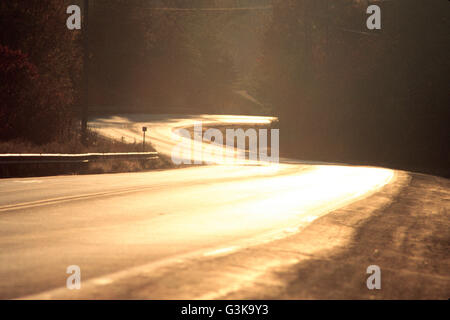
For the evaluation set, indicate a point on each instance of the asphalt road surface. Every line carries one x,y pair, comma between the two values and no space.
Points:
219,231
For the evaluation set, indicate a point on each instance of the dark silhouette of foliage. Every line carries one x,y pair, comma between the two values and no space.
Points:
344,93
41,64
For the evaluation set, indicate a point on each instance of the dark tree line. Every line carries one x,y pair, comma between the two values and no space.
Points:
139,59
39,70
345,93
157,60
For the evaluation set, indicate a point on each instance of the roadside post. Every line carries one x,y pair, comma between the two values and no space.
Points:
144,130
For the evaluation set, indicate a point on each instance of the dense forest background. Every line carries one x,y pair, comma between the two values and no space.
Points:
342,92
173,61
40,65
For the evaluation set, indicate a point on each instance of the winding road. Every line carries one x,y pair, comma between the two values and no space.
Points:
133,234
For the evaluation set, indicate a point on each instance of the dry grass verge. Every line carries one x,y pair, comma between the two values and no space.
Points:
95,143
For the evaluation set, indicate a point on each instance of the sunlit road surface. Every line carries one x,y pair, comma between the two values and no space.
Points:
114,224
164,136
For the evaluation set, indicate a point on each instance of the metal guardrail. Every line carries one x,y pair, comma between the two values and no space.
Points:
74,158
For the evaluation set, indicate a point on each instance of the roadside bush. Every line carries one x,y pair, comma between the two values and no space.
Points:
40,65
